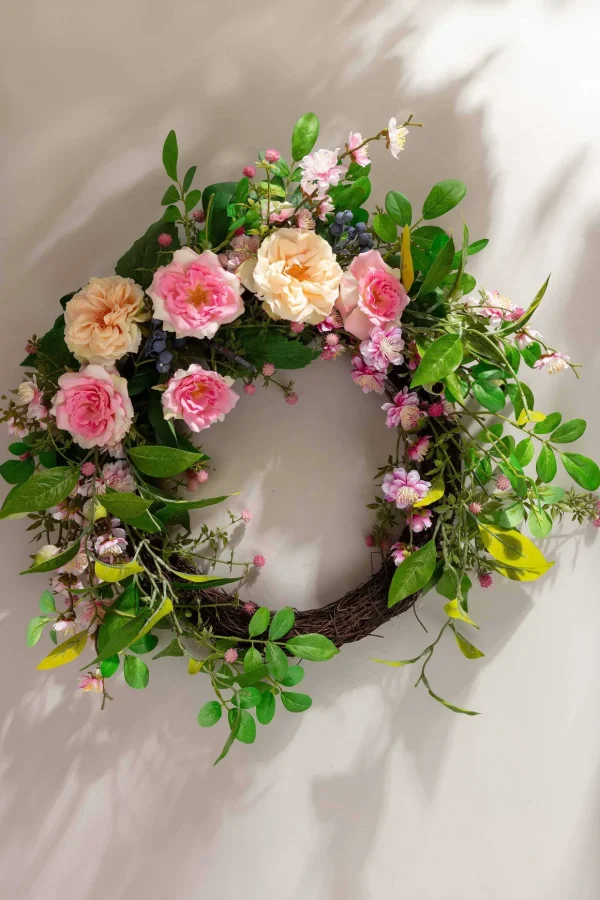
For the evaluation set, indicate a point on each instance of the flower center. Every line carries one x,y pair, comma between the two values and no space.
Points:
199,391
407,495
299,272
389,346
198,296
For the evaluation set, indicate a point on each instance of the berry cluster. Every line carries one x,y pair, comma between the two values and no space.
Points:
349,236
157,347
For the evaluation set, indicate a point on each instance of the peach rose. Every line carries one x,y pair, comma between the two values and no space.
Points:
370,295
101,320
296,275
193,295
94,406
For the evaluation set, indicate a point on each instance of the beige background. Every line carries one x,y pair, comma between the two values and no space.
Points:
378,791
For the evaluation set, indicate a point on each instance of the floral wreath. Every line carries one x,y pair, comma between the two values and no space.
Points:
241,282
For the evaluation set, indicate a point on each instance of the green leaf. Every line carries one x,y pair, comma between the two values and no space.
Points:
466,647
192,200
440,359
513,356
304,136
489,395
398,208
172,649
215,200
385,228
353,195
531,353
520,323
52,345
146,254
295,674
568,431
277,661
439,269
551,495
413,573
247,679
163,429
282,622
170,155
195,504
582,470
447,586
314,647
109,666
34,630
171,195
355,171
548,424
210,714
483,347
19,448
145,522
122,638
477,246
162,462
146,644
259,621
136,672
494,430
539,522
124,505
510,517
235,727
546,464
61,559
47,603
188,178
16,471
41,491
524,451
252,660
443,196
171,214
294,702
274,348
450,706
266,708
247,728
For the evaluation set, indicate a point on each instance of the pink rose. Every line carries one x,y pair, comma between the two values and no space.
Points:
370,294
193,295
199,397
94,406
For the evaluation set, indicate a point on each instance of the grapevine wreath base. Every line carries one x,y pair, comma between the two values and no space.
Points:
234,286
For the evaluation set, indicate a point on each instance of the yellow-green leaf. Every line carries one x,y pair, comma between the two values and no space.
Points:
116,573
407,271
521,560
454,610
434,493
466,647
195,666
199,579
65,652
530,416
163,610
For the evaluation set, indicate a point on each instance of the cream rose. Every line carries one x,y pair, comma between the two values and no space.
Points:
101,320
295,274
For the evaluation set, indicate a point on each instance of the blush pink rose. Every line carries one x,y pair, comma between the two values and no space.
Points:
94,406
193,295
370,294
199,397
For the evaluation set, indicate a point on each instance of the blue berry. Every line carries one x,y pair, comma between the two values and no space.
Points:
339,218
165,357
157,322
158,345
364,239
336,228
361,226
347,216
163,368
351,232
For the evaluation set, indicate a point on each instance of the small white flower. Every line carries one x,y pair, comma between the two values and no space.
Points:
396,138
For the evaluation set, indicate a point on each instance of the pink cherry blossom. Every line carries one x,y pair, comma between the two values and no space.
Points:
199,397
404,488
419,521
418,448
403,399
193,296
552,362
321,171
383,347
91,683
370,294
331,322
400,552
325,207
304,218
360,157
366,378
117,475
526,337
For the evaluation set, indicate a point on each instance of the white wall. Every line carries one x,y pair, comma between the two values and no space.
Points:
378,791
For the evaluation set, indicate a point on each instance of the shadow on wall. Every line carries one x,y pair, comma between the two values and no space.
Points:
110,135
